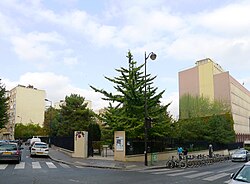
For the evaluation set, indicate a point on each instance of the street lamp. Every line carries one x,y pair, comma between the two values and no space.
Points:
50,120
152,57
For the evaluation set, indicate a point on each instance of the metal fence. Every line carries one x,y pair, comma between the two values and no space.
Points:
64,142
135,146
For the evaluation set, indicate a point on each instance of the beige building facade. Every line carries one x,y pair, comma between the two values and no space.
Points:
26,105
208,79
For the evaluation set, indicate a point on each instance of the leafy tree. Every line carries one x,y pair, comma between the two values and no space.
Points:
27,131
192,129
216,128
128,114
73,116
94,132
51,121
195,106
3,106
220,129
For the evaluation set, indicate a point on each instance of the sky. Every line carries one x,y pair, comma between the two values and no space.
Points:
64,46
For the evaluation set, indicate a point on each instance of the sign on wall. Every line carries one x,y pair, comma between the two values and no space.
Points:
119,143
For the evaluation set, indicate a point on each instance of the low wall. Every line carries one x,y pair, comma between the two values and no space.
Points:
65,151
168,155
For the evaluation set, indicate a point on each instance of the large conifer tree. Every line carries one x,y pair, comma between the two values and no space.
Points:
128,113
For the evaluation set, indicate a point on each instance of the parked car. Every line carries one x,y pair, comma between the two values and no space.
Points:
10,151
241,155
39,148
33,140
242,175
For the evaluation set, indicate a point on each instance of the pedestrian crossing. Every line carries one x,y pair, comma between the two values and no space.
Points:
37,165
208,176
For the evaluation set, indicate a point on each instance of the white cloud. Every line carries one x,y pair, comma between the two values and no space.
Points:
70,61
36,46
173,108
221,34
7,27
231,19
56,87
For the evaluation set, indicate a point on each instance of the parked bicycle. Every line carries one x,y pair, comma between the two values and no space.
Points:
175,162
195,161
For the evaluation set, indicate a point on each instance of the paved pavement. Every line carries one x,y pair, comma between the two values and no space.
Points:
101,162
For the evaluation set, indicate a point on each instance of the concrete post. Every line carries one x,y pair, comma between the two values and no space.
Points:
81,144
120,146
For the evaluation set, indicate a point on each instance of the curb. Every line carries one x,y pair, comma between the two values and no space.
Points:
85,165
107,167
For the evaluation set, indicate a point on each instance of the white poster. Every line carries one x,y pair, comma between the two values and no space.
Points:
119,143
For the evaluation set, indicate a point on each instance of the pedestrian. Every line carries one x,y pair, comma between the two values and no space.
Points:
210,150
185,152
179,152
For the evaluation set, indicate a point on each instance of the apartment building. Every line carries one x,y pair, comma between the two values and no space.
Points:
208,79
26,105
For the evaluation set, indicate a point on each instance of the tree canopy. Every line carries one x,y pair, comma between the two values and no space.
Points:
72,116
216,128
29,130
199,106
129,97
204,120
3,106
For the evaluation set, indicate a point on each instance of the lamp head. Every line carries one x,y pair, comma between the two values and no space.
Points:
153,56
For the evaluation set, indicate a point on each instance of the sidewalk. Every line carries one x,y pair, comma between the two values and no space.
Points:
101,162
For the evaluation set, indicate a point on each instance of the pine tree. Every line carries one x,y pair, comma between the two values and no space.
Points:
74,116
128,113
3,106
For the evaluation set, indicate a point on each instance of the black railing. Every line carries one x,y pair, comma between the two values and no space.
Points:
64,142
135,146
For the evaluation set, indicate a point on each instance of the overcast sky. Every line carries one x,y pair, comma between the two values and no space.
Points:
63,46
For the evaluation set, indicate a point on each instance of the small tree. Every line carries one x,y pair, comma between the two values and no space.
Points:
50,121
73,116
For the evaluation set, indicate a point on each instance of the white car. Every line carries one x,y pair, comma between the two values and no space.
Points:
241,155
39,148
242,176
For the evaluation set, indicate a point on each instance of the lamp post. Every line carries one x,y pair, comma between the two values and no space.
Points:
50,120
152,56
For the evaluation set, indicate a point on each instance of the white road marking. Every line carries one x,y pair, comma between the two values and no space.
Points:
181,173
231,168
36,165
153,170
64,165
167,172
21,165
50,165
198,174
215,177
2,167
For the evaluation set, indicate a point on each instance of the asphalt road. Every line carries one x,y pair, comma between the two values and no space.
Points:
42,170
